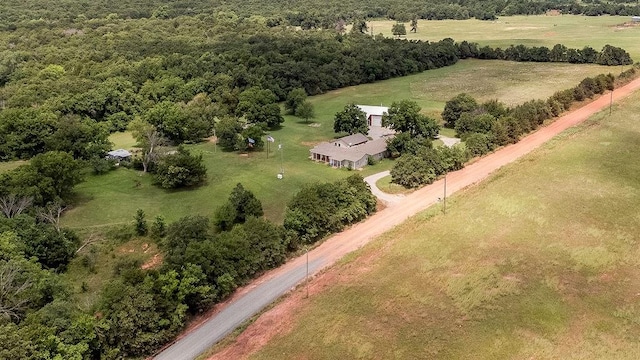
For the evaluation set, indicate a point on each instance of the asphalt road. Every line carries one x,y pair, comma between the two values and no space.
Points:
237,312
269,287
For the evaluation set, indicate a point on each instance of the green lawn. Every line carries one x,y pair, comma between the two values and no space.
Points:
538,262
10,165
574,31
387,186
122,140
113,198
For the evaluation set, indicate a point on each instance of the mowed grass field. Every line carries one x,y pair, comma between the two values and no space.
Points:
113,198
574,31
538,262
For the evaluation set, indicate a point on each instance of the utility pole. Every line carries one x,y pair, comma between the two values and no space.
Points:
281,159
307,278
444,203
611,102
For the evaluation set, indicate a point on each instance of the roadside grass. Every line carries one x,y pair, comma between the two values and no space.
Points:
574,31
113,198
539,261
387,186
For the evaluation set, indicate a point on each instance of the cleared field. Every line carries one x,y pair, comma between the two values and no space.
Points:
538,262
10,165
113,198
571,30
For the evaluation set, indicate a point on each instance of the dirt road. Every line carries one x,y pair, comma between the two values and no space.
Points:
272,285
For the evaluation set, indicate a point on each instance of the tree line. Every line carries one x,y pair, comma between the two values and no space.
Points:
14,13
484,127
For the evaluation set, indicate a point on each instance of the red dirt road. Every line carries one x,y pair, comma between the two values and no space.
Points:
278,318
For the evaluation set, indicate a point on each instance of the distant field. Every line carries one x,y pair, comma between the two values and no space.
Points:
122,140
113,198
538,262
571,30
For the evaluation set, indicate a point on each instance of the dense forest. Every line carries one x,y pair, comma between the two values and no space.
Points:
310,14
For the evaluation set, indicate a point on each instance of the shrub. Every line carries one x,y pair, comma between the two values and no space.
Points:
180,170
479,144
141,223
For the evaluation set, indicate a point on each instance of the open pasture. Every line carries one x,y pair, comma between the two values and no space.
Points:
540,261
575,31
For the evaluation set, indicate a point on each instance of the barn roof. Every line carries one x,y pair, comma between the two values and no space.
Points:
373,110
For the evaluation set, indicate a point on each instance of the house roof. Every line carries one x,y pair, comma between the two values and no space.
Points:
354,139
121,153
373,110
354,153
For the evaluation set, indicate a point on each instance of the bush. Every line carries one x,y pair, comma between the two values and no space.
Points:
180,170
321,209
141,224
479,144
411,171
101,165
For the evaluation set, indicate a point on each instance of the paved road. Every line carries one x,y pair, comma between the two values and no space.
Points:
388,199
253,298
237,312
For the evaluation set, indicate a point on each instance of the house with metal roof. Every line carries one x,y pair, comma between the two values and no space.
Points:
120,154
374,114
350,151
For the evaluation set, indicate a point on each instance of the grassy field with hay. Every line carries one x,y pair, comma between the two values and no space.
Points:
538,262
575,31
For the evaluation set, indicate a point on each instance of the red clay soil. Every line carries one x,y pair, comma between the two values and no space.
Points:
278,319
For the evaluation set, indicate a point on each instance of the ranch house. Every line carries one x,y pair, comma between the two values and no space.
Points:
351,151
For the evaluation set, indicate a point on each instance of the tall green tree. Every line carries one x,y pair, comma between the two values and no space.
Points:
241,205
351,120
404,116
305,111
295,98
181,169
259,106
48,178
82,138
398,30
456,106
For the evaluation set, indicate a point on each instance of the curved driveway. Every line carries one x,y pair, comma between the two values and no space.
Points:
263,291
388,199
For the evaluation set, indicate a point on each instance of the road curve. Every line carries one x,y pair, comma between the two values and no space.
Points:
388,199
263,291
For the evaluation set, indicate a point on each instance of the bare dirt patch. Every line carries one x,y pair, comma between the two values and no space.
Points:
626,26
154,262
212,139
